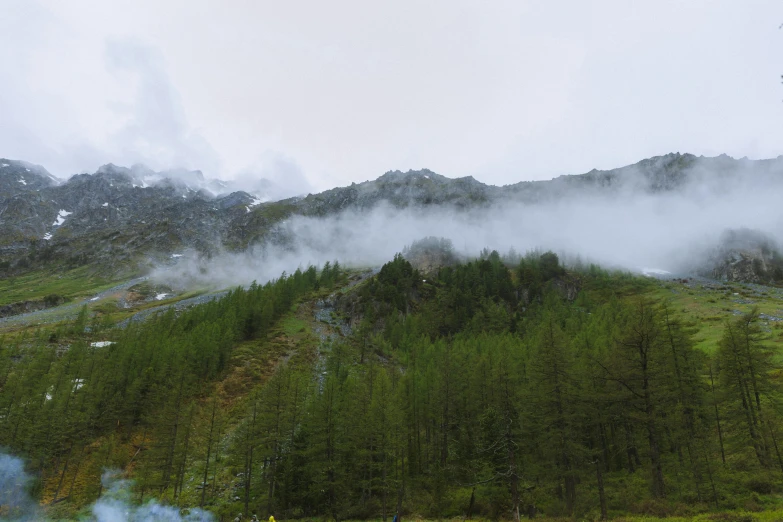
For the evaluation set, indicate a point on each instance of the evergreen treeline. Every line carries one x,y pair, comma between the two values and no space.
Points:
486,391
481,390
59,406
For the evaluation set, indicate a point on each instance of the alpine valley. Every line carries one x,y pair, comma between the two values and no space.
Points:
595,346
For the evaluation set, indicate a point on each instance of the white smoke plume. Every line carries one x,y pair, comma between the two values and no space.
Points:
15,500
115,504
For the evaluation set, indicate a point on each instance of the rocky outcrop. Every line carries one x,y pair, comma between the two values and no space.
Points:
745,256
109,218
24,307
430,253
566,286
20,177
123,218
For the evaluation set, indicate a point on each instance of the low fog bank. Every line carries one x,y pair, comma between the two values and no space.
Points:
672,231
115,504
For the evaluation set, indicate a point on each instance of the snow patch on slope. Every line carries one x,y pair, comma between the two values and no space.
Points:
61,218
652,272
256,201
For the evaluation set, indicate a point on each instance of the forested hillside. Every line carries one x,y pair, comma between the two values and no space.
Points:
496,388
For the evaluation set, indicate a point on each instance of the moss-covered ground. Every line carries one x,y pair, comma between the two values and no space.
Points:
72,284
707,305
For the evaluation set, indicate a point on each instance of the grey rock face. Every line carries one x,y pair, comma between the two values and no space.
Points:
106,218
747,256
19,177
401,190
125,218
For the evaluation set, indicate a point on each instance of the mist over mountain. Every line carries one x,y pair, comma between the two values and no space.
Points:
666,212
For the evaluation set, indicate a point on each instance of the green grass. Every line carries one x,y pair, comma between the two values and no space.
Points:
773,515
116,315
291,325
720,516
107,308
708,309
273,212
80,282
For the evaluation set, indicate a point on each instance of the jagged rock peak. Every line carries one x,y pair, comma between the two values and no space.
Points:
111,168
20,176
9,165
396,176
183,175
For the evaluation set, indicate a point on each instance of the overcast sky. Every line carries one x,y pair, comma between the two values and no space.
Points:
326,93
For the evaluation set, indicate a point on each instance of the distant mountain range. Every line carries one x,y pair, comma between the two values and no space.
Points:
125,219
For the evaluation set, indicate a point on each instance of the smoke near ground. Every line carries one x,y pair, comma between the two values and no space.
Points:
115,505
624,228
15,500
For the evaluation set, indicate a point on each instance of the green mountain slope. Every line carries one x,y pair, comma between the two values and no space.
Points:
493,389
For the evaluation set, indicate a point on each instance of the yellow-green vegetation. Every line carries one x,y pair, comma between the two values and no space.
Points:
117,303
275,211
213,359
707,305
773,515
487,392
72,284
292,326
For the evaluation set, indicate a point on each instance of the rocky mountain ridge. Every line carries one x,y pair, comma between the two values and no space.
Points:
125,219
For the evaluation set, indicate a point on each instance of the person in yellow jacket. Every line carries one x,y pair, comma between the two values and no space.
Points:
271,519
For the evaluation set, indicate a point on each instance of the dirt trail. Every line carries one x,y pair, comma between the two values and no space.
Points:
178,305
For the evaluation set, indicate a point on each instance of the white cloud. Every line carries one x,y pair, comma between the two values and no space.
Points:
502,91
154,128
